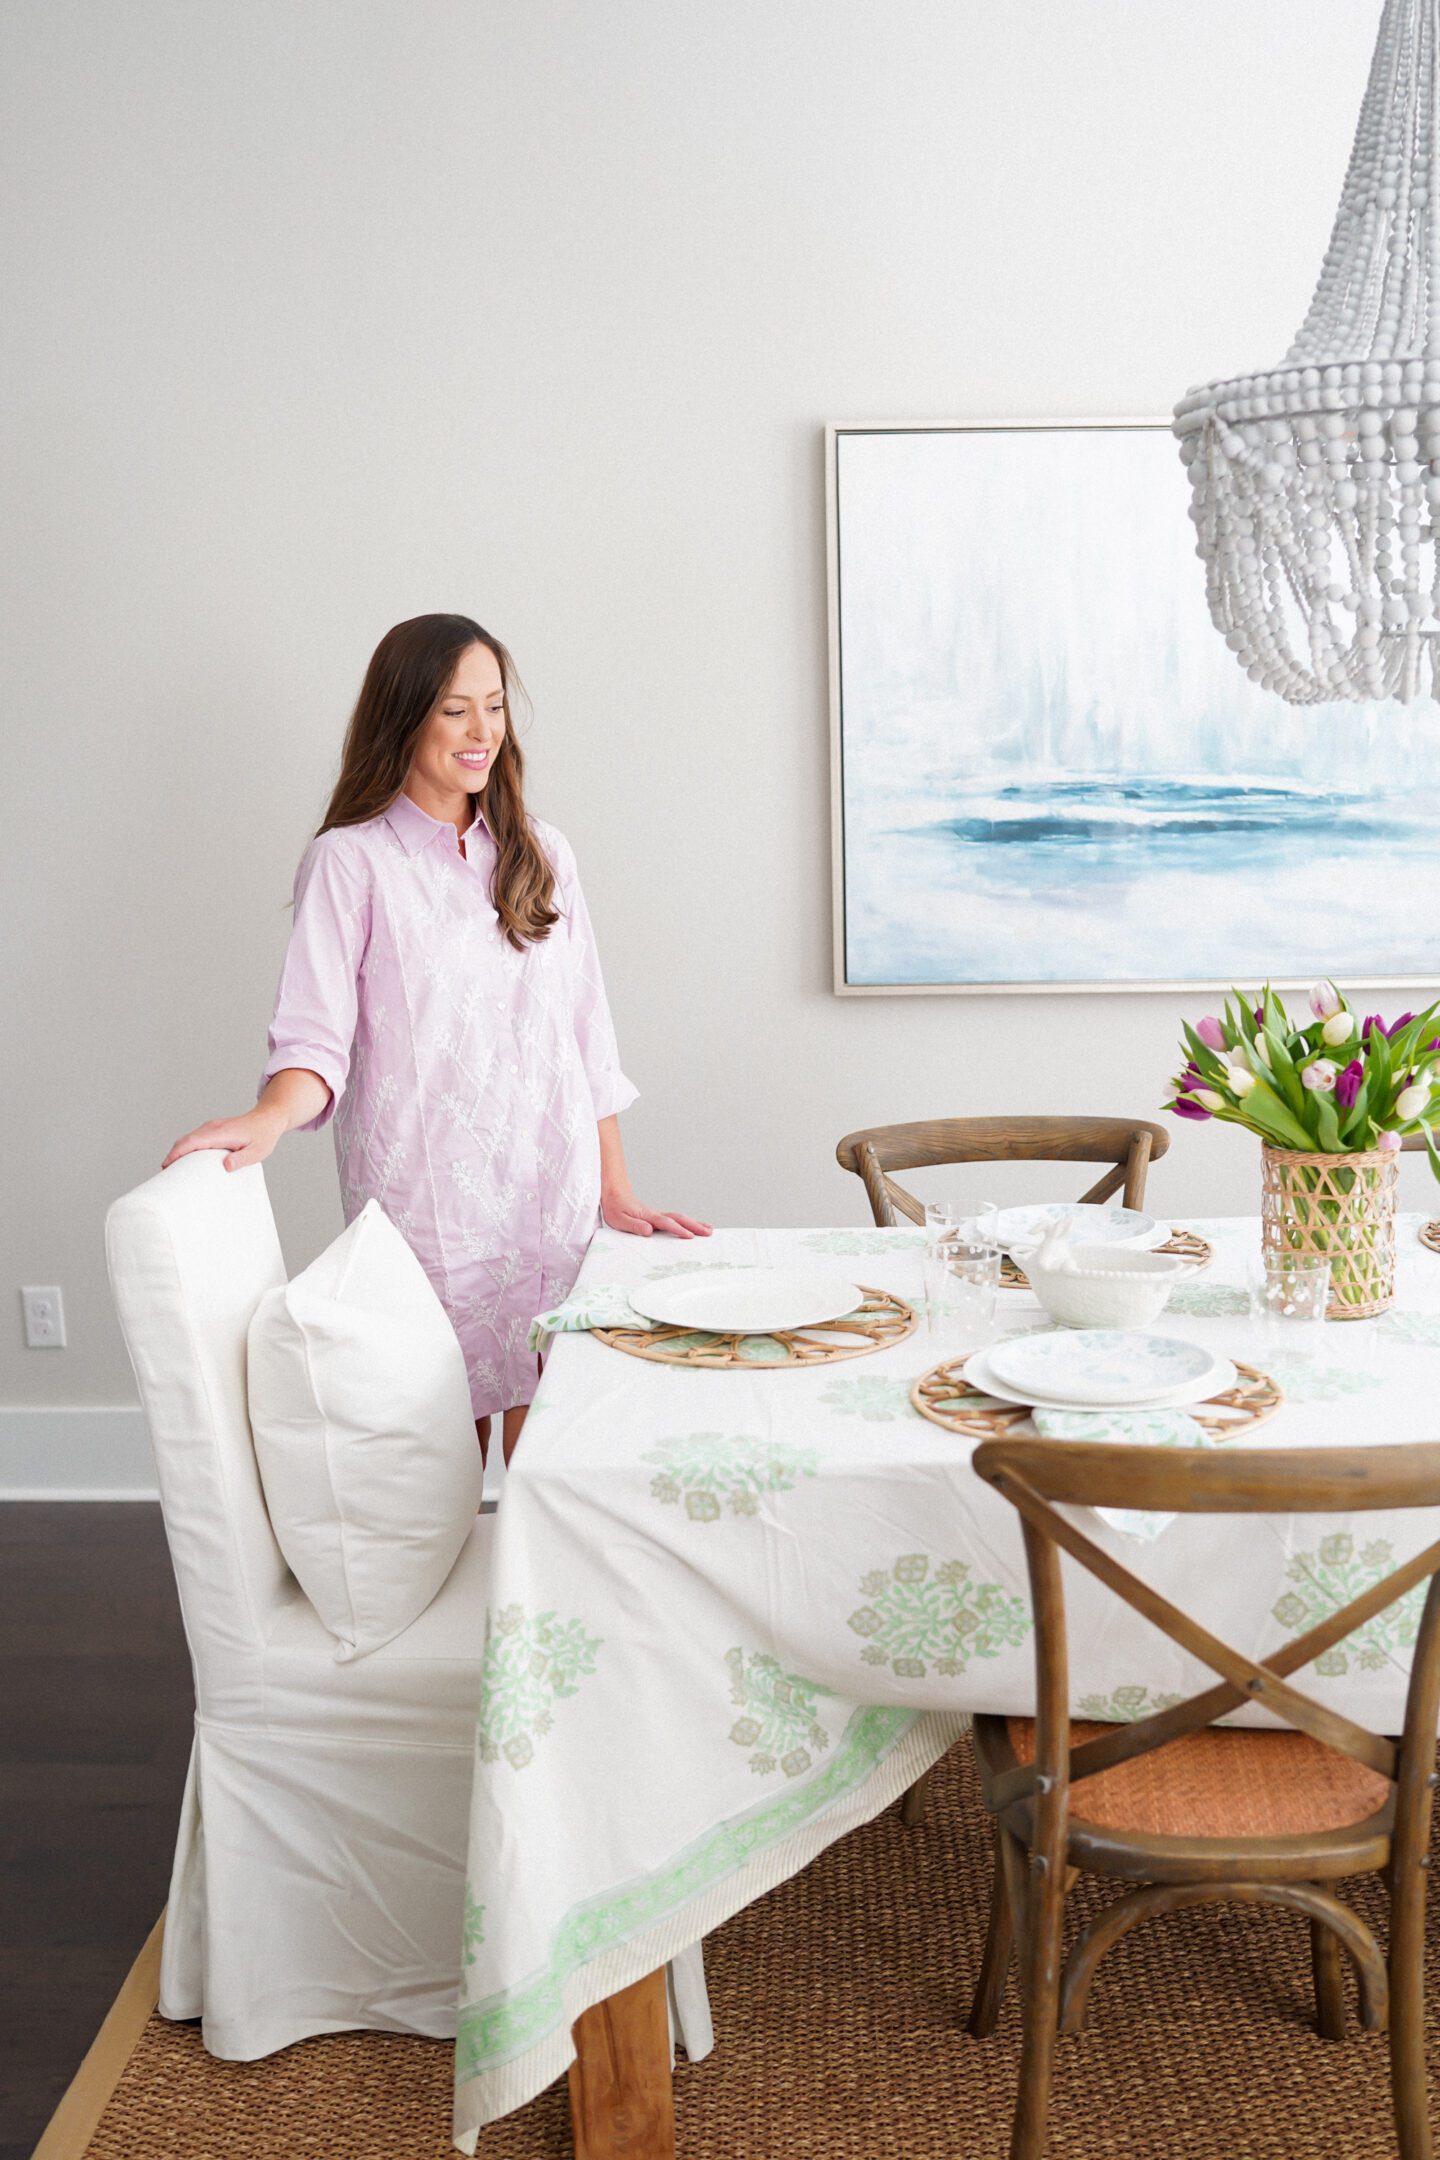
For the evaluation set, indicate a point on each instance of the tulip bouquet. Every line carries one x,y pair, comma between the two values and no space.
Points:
1331,1101
1337,1085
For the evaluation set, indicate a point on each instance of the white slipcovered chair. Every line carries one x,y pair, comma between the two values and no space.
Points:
318,1882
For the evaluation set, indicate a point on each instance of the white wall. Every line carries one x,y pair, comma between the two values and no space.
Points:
323,314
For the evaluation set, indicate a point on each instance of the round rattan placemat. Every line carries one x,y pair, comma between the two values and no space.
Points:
881,1322
943,1393
1430,1236
840,2001
1187,1243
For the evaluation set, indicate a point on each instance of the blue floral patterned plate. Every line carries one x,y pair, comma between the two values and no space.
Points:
1107,1368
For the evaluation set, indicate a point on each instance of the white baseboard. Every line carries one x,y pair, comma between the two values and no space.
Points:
84,1454
101,1454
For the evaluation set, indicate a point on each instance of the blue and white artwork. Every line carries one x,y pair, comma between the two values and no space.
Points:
1053,771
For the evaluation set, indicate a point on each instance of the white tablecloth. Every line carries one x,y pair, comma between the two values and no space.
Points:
735,1613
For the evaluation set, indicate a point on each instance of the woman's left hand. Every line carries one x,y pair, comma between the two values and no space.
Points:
622,1211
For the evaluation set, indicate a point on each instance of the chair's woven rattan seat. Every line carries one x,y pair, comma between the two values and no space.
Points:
1221,1784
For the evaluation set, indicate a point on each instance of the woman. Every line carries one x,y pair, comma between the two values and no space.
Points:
441,999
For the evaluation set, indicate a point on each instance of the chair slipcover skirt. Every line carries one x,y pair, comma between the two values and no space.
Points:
318,1883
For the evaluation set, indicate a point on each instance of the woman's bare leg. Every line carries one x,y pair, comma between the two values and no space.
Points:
482,1434
514,1420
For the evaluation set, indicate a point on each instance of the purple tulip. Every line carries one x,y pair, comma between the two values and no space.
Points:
1372,1020
1184,1085
1396,1025
1210,1032
1347,1087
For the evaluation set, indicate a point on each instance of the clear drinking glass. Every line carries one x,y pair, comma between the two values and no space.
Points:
933,1265
1289,1293
962,1276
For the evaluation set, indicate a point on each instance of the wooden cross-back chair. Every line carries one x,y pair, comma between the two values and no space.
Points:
1127,1145
1260,1816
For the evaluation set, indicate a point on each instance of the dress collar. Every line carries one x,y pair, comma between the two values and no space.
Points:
415,828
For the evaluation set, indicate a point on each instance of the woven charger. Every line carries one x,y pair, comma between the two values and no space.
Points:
881,1321
1188,1244
942,1395
1430,1236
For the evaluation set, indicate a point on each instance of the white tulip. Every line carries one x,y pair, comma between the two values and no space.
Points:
1207,1098
1238,1080
1338,1029
1411,1101
1321,1075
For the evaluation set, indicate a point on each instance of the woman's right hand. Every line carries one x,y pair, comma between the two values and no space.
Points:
248,1138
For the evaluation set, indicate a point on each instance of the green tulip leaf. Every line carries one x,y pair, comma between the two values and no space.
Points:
1282,1065
1381,1072
1430,1150
1274,1119
1327,1125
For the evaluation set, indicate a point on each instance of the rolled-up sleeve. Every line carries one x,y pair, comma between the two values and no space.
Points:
610,1090
313,1024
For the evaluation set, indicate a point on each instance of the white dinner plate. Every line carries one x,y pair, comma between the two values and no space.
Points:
1020,1229
747,1301
979,1373
1110,1365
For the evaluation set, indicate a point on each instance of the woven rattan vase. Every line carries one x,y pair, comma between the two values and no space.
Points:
1339,1208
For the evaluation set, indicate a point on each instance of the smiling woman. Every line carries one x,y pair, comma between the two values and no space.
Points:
434,717
441,999
467,730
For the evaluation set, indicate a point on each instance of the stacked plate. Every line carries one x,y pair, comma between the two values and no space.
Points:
748,1300
1100,1369
1020,1229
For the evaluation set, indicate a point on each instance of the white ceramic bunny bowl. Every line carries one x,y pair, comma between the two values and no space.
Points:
1105,1286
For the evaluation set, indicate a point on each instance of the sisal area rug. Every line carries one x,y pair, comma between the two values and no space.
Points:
839,2003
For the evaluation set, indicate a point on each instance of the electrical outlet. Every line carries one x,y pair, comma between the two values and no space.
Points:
44,1319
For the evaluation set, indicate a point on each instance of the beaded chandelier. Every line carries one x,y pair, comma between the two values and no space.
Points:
1316,485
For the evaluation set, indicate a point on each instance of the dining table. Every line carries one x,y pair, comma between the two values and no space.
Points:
736,1612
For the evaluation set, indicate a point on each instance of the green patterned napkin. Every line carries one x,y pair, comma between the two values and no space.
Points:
1142,1428
601,1305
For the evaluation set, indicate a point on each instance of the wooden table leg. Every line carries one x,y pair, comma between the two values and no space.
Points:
621,2103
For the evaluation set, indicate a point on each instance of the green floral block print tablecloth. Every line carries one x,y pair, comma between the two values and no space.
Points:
734,1613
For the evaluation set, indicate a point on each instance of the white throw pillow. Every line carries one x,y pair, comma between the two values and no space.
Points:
364,1434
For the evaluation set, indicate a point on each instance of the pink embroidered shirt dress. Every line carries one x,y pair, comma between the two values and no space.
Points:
466,1078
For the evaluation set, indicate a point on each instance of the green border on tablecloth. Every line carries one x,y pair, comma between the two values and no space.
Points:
494,2031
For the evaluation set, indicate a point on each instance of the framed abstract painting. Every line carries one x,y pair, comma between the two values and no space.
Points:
1048,770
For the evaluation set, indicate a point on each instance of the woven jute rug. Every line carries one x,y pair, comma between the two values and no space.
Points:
840,2002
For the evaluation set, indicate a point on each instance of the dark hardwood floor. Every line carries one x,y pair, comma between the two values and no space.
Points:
95,1711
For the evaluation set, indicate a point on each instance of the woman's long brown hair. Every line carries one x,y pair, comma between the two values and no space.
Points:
410,671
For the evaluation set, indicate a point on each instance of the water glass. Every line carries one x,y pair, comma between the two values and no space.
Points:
962,1276
1289,1293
